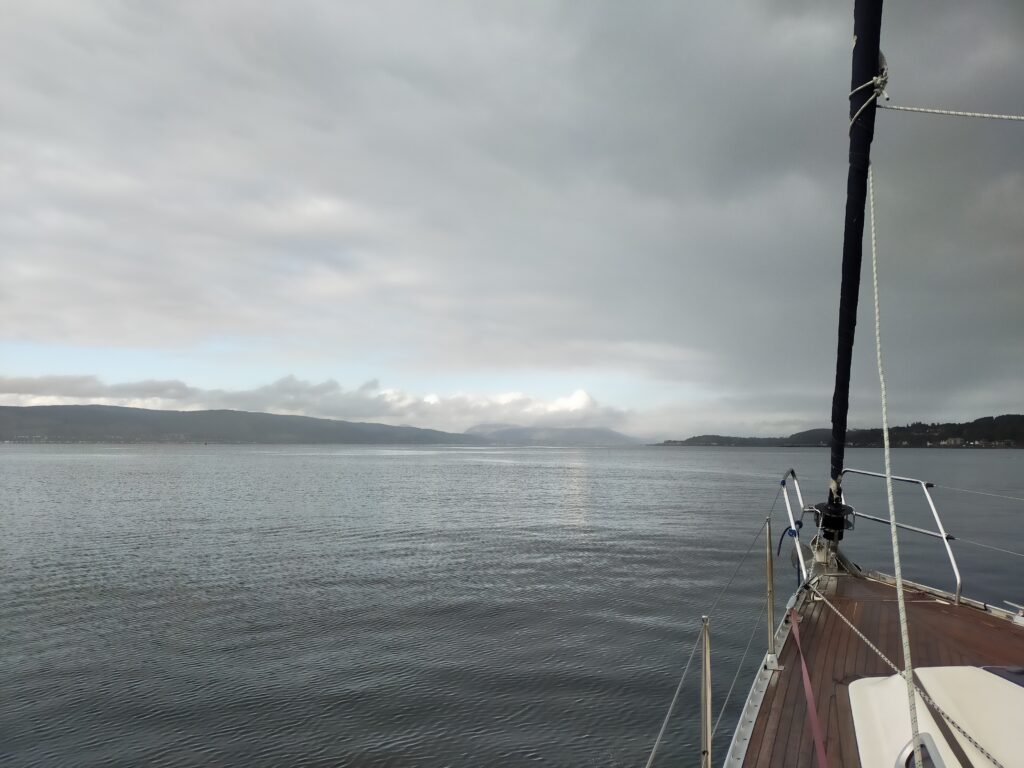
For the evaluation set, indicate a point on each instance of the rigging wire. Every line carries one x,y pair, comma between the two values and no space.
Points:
742,559
987,546
897,568
739,667
979,493
700,632
982,493
950,112
675,697
920,691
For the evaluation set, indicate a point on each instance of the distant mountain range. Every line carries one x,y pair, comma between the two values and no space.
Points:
115,424
990,432
512,434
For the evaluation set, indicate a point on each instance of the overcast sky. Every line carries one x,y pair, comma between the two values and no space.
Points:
442,213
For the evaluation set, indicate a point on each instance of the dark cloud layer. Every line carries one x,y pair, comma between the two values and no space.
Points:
651,190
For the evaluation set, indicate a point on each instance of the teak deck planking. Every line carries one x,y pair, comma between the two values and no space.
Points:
941,634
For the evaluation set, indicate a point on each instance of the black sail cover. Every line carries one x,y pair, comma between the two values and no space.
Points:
866,65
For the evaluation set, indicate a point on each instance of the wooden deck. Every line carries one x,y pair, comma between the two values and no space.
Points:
941,634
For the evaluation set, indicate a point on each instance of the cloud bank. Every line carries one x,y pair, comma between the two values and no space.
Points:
326,399
585,190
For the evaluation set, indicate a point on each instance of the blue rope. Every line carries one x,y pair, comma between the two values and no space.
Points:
792,533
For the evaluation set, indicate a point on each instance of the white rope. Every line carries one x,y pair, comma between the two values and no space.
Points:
874,81
920,691
878,83
908,673
872,97
951,112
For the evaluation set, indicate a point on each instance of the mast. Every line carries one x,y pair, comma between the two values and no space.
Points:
867,22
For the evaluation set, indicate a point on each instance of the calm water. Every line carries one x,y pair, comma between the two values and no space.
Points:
253,606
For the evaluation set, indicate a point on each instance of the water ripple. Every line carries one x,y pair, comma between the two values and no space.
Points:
179,606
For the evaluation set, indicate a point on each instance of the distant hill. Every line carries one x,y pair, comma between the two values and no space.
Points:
113,424
990,432
490,428
510,434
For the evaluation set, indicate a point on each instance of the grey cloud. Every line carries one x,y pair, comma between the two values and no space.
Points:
575,186
90,386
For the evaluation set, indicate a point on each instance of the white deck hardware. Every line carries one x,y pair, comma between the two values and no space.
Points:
988,707
940,534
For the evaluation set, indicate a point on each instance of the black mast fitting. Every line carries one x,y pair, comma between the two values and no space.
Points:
833,516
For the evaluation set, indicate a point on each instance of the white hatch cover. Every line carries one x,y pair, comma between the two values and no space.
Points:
990,708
